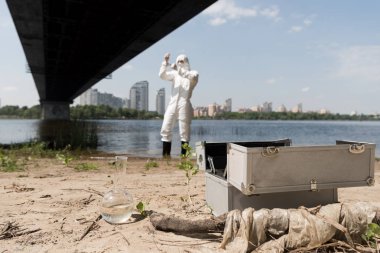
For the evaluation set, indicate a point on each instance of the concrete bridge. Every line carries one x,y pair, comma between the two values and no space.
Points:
70,45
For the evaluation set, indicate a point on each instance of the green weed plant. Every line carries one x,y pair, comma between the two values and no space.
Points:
65,156
141,208
34,149
9,164
372,235
85,167
187,165
151,164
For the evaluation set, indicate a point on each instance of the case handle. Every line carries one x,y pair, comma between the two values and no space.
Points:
270,151
356,148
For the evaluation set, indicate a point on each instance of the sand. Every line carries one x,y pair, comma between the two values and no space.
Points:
60,203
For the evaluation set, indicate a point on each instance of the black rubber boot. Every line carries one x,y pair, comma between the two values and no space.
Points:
183,151
166,149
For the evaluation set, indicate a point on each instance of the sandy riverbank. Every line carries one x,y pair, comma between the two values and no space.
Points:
60,202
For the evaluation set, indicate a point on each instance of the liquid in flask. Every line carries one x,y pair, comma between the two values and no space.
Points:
117,206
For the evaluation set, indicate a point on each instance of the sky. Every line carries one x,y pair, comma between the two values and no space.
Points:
324,54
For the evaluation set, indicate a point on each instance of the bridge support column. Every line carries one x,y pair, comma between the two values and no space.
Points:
55,110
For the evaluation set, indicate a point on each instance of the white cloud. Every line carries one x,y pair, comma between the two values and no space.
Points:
217,21
271,81
308,21
225,10
305,89
360,62
128,67
296,29
271,12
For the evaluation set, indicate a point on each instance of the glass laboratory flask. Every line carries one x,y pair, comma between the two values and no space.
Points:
117,204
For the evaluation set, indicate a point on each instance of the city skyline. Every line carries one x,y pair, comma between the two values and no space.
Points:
137,100
94,97
323,54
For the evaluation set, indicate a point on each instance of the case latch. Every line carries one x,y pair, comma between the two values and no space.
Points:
313,185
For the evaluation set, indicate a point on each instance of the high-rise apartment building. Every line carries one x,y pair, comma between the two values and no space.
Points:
89,97
281,108
227,107
267,107
110,100
93,97
127,103
200,111
256,108
212,110
160,101
139,96
297,108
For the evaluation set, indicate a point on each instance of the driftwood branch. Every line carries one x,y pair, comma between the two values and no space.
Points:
90,226
335,244
86,190
175,224
170,223
12,229
249,229
334,224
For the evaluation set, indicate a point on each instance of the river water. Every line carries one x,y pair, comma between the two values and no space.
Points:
142,137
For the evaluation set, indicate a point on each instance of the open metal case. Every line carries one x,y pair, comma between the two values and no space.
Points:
270,174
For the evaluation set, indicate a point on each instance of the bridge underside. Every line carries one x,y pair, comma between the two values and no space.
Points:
70,45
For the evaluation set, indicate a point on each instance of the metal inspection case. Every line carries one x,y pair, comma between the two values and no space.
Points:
255,170
222,197
274,174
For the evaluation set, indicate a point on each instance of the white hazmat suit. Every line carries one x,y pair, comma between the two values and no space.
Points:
183,81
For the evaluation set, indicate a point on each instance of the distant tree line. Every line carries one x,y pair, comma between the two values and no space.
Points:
79,112
15,111
290,116
107,112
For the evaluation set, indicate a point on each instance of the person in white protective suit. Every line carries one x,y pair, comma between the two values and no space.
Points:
183,82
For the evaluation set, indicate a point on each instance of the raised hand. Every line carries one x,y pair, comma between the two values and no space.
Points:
167,57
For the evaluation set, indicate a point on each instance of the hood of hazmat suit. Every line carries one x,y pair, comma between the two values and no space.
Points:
182,62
